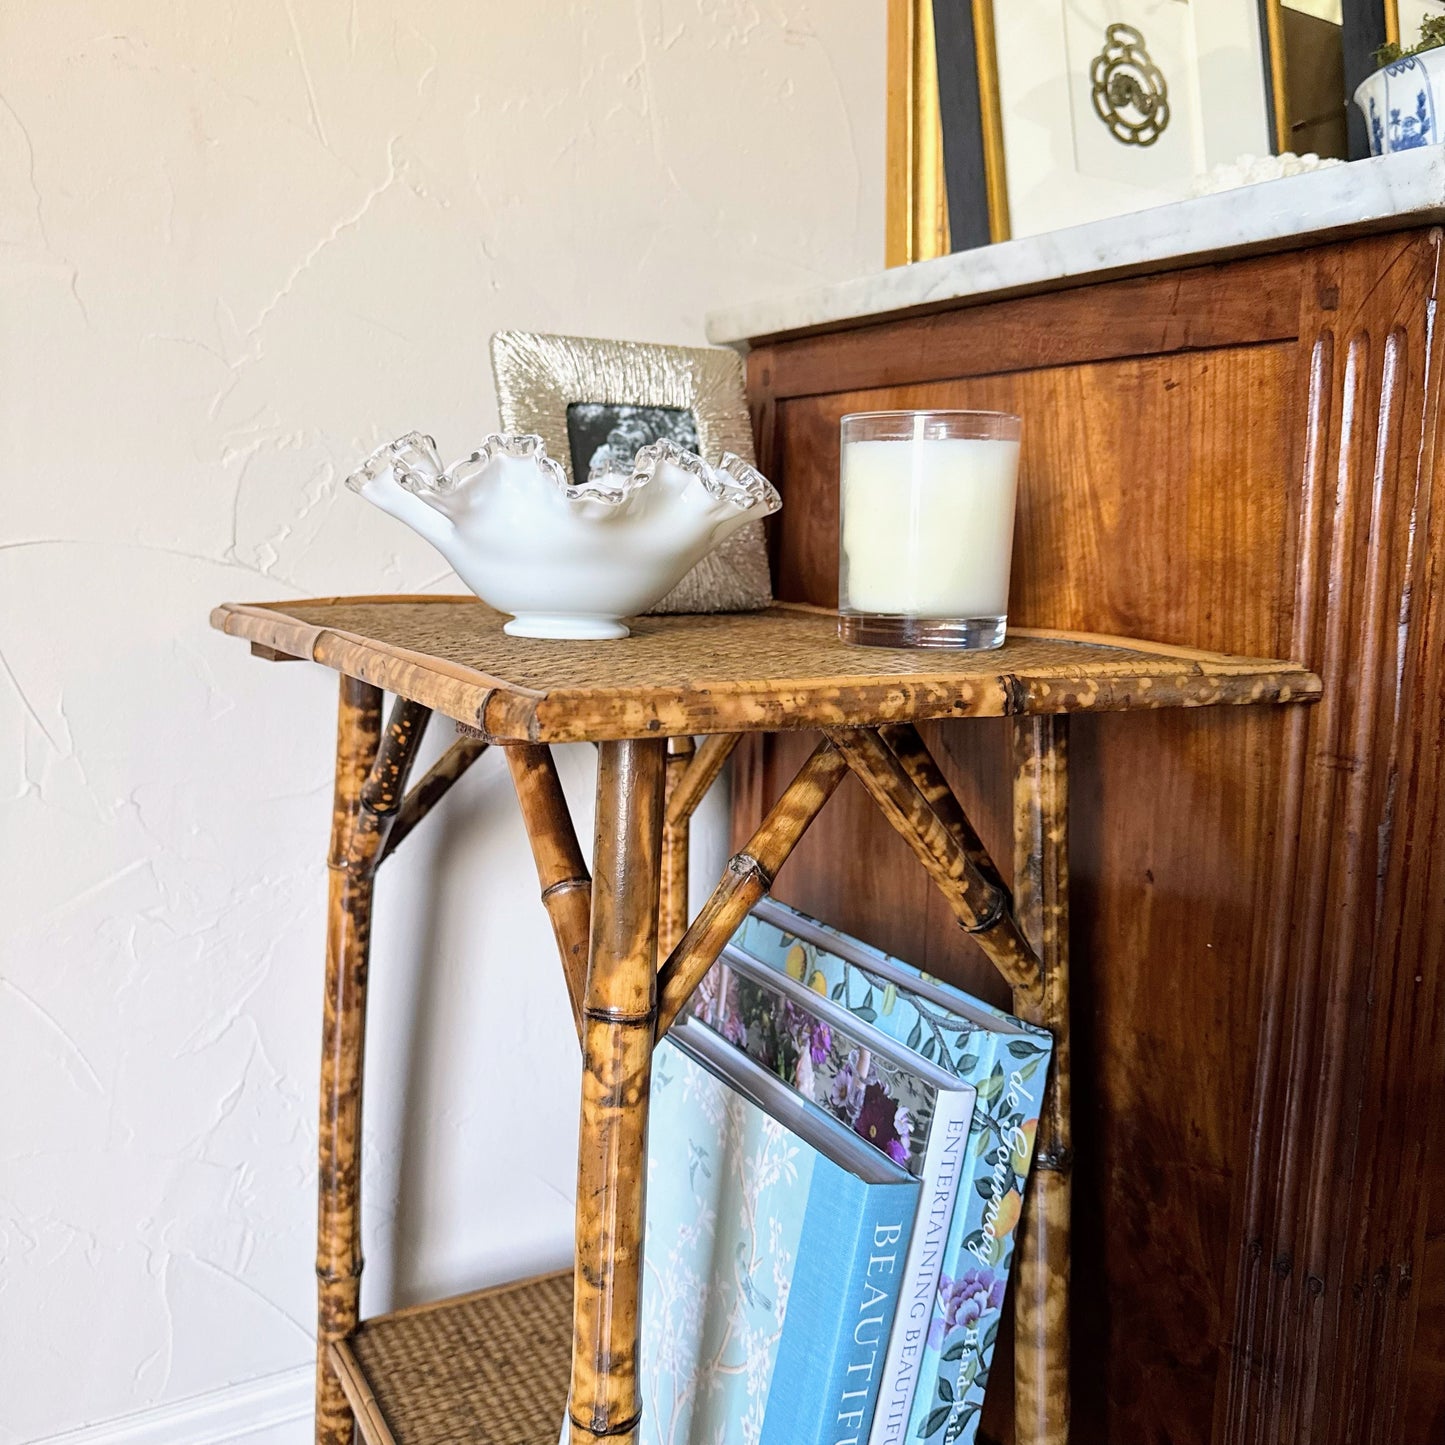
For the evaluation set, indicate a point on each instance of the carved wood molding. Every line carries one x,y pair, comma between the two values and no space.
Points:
1323,1310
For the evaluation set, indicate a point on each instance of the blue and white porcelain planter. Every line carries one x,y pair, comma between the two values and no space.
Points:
1400,102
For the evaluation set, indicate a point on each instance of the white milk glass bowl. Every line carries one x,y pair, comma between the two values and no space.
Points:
567,561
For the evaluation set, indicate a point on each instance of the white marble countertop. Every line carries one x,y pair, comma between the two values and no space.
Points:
1372,195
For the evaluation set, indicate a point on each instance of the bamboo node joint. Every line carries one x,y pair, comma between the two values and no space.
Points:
1059,1160
992,917
619,1016
623,1427
339,1276
565,885
744,865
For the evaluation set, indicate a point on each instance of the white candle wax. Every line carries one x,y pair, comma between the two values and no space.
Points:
928,526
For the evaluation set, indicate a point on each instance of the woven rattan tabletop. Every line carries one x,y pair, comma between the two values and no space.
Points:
757,671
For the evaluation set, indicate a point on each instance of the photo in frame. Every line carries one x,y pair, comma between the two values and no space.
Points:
593,400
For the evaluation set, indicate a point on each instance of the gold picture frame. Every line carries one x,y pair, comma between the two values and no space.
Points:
917,204
546,382
916,223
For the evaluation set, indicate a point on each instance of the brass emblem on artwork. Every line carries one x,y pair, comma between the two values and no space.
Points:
1131,96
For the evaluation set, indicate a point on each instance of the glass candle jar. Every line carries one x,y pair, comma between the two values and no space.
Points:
926,528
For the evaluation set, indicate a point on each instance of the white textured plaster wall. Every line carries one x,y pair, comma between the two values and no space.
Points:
239,245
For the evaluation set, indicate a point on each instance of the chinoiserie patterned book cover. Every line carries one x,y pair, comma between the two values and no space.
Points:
767,1285
1007,1060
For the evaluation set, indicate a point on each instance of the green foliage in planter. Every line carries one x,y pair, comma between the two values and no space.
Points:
1432,34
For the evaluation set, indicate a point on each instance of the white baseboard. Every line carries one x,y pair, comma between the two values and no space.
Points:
237,1412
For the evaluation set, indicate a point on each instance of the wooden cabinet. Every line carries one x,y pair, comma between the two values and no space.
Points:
1240,456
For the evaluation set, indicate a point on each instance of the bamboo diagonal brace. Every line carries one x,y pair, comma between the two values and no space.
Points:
909,748
982,907
348,943
619,1021
672,905
433,787
561,871
1041,874
700,774
385,785
750,875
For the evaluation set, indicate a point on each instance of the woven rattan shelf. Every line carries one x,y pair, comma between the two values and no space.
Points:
493,1369
761,671
483,1369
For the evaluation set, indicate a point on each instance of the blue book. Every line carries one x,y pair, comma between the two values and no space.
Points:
916,1111
949,1338
774,1248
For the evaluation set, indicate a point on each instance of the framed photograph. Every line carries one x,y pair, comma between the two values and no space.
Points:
594,402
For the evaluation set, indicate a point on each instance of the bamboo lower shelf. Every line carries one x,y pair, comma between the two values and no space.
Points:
482,1369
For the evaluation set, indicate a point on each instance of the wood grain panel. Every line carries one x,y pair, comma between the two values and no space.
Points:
1114,453
1127,468
1209,306
1257,900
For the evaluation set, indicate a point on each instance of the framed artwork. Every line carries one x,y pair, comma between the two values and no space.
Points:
593,401
1403,18
1012,120
1110,106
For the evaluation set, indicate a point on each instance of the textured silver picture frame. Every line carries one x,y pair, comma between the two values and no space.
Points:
539,376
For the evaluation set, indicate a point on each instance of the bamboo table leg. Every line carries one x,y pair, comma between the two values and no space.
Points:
561,872
619,1020
1041,893
675,831
371,774
348,938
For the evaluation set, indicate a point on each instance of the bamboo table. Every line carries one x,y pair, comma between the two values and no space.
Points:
494,1367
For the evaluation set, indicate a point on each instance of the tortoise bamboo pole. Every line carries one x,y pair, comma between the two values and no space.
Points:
672,907
348,939
434,786
700,775
749,876
385,784
983,908
561,871
620,1015
909,748
1041,889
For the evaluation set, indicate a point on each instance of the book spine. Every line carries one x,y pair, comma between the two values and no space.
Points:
840,1310
942,1167
954,1368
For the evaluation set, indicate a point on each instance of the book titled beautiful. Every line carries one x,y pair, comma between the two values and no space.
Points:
774,1251
912,1109
947,1338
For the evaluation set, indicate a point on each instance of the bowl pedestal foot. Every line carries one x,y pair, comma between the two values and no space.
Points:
561,624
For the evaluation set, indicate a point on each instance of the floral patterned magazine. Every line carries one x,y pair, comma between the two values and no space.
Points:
830,1057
